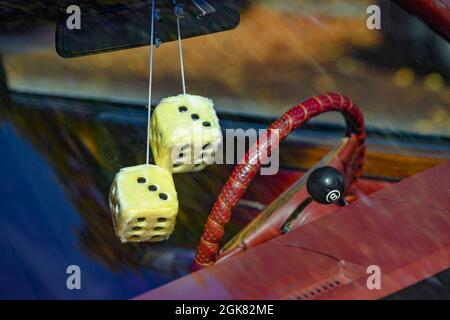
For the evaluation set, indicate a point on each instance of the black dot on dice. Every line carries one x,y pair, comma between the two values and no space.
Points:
140,219
181,155
158,228
206,146
207,124
137,228
141,180
178,164
135,236
195,116
163,196
183,109
162,220
152,188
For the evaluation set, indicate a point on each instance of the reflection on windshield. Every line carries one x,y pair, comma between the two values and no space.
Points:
282,52
62,157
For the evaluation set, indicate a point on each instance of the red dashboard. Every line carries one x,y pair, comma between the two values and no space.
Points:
330,258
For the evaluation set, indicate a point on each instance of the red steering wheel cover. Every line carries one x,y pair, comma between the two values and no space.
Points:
243,174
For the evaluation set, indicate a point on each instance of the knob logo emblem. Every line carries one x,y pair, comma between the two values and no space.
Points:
333,196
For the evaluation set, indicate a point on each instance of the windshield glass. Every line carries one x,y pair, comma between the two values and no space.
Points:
282,52
67,126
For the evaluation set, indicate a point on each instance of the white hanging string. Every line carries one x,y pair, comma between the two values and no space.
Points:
149,106
181,56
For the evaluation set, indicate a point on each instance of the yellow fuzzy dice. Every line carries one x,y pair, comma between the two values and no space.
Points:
185,133
143,203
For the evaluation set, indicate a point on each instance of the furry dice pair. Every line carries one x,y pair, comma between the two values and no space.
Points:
185,133
143,203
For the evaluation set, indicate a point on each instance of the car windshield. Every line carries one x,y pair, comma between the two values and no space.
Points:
68,125
282,52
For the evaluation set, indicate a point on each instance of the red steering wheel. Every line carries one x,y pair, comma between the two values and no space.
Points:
244,173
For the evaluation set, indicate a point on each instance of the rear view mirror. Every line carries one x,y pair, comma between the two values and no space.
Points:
128,26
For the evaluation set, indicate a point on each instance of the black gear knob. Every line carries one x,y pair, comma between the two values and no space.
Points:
326,185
